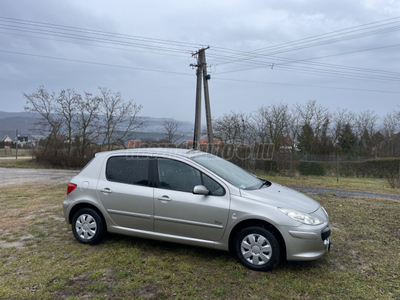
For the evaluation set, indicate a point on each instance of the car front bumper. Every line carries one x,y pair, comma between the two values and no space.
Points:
306,243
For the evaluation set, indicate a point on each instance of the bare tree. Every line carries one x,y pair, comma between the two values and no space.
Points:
278,123
232,128
121,117
270,124
68,101
259,125
340,119
45,104
313,115
172,130
366,121
87,123
390,125
365,129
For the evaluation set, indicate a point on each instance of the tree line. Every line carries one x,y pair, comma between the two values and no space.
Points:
75,126
312,129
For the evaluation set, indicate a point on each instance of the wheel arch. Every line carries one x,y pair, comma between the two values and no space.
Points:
86,205
259,223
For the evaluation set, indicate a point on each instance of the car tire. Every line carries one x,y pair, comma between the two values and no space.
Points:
88,226
257,248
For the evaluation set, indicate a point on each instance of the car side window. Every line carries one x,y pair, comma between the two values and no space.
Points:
128,170
178,176
214,187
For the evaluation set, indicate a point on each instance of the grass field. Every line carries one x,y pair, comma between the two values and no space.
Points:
21,163
40,259
377,185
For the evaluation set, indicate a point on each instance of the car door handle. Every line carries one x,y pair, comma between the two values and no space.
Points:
106,190
164,198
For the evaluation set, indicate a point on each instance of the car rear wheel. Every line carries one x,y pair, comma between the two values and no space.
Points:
257,248
88,226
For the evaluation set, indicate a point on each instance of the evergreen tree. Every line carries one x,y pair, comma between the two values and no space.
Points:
348,141
324,144
306,139
365,144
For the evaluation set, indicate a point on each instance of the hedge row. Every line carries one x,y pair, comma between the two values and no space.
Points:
376,168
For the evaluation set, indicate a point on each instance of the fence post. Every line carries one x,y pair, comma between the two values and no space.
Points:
399,173
245,159
291,164
337,169
254,162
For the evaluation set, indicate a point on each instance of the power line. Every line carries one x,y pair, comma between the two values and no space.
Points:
157,45
333,33
187,74
324,68
96,45
345,53
302,85
95,39
95,63
310,42
150,47
107,33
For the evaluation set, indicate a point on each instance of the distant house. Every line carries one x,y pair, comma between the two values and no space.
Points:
217,142
133,144
7,142
23,139
7,139
62,138
287,145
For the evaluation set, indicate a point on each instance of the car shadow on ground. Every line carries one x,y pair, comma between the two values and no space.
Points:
202,256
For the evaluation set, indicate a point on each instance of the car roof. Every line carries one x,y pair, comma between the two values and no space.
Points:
156,151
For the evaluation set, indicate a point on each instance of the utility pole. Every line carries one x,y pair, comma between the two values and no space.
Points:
16,144
202,76
208,107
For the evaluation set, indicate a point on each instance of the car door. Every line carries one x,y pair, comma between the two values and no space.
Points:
125,192
179,212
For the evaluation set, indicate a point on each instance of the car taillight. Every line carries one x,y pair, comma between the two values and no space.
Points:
71,187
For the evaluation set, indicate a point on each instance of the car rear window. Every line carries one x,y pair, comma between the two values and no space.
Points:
129,170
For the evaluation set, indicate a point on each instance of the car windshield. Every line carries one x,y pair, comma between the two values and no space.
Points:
230,172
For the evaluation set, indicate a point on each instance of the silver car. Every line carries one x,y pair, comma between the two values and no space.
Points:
195,198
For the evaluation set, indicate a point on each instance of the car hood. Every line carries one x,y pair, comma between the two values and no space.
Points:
279,196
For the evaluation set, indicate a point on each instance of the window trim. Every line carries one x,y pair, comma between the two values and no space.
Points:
157,180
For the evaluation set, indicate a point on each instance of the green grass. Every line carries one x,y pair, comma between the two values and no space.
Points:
377,185
21,163
48,263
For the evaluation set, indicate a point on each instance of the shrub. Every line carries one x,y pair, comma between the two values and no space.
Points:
311,168
393,179
59,158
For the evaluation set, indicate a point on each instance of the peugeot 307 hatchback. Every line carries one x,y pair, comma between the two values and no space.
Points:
195,198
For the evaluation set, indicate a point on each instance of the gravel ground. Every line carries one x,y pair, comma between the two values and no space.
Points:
345,193
23,176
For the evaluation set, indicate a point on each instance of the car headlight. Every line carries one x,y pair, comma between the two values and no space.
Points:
300,216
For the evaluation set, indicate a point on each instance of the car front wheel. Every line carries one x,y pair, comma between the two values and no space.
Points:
257,248
87,226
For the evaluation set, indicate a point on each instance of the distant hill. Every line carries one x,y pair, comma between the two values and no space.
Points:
25,122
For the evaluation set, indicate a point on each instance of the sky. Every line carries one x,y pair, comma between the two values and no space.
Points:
344,54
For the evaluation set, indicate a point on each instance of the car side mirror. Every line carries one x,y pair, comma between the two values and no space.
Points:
201,190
